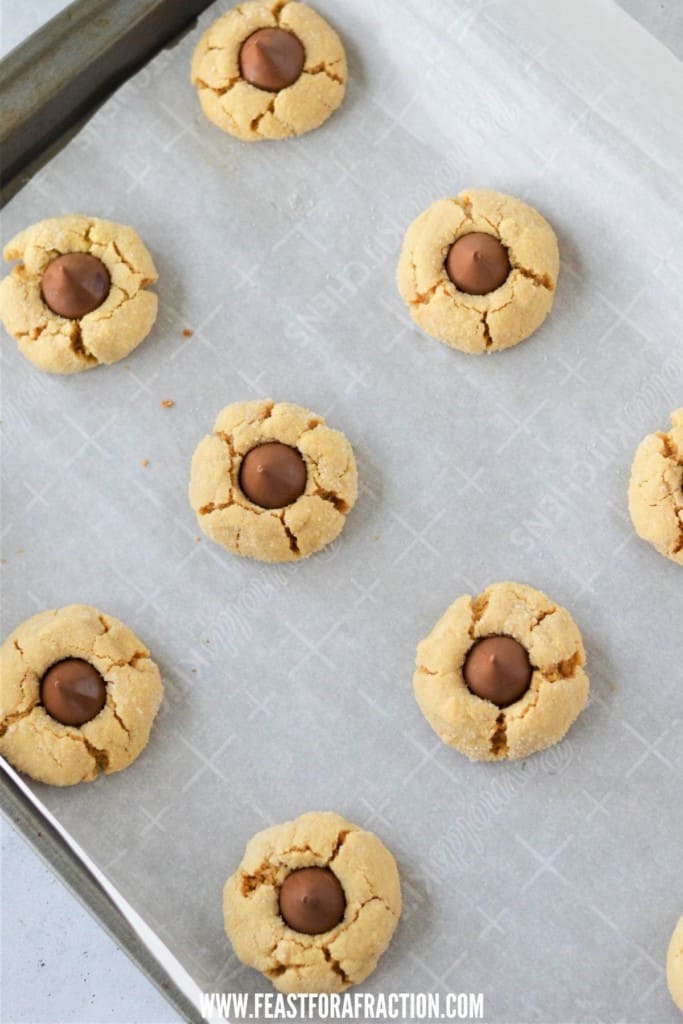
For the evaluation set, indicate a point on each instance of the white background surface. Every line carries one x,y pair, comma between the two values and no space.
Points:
57,965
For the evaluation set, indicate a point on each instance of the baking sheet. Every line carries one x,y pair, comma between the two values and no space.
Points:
551,885
125,926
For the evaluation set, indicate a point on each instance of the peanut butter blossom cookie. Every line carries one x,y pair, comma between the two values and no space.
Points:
313,904
674,965
502,675
78,695
269,70
79,296
479,271
272,481
655,496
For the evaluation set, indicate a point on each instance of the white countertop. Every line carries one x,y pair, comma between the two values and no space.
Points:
56,963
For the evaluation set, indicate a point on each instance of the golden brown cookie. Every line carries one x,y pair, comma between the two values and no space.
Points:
520,298
674,965
655,495
348,951
65,343
225,73
557,687
31,659
299,520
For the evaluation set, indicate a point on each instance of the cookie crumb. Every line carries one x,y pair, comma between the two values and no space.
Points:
145,463
187,332
167,403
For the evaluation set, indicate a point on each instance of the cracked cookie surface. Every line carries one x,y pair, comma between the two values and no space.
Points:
111,331
251,113
333,960
62,755
501,318
559,685
674,965
229,518
655,496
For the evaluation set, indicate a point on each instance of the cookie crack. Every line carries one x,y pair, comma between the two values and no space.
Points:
335,965
227,440
375,898
339,842
123,259
424,298
305,848
678,546
314,421
98,318
214,506
130,662
448,288
564,669
464,203
540,617
413,267
494,227
488,337
111,703
333,499
542,280
265,874
478,609
218,90
256,121
323,69
668,495
78,346
499,309
498,742
670,448
279,969
17,716
35,333
100,757
529,706
289,129
277,9
291,536
32,702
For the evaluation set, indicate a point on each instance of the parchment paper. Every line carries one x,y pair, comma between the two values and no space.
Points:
550,885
